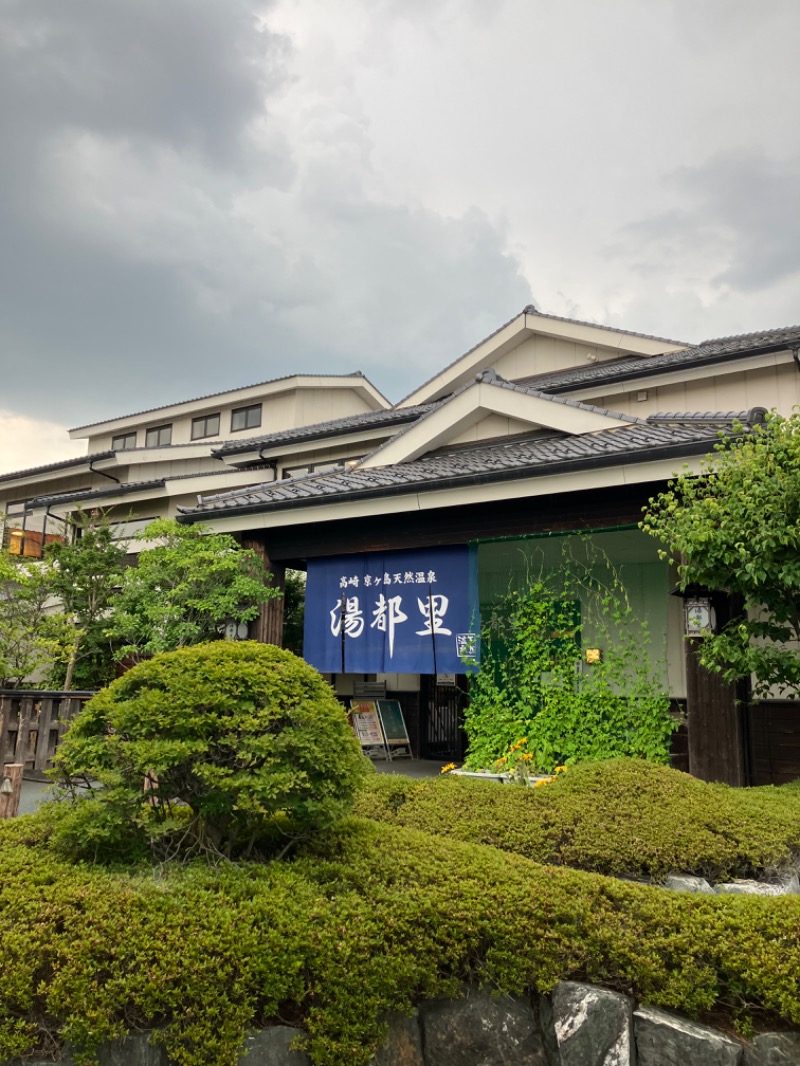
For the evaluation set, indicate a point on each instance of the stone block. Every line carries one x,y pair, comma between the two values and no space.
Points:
664,1039
551,1052
773,1049
592,1026
403,1045
272,1047
790,882
481,1030
132,1050
687,883
749,888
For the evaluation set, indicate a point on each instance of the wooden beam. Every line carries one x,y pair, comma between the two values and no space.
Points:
591,510
716,738
717,710
268,627
11,789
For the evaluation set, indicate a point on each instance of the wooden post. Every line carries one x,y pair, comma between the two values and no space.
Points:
716,741
268,627
10,789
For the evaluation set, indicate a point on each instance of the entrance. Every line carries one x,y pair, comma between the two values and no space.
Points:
442,707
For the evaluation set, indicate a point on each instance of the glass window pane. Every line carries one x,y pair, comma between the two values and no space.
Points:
206,426
158,437
246,417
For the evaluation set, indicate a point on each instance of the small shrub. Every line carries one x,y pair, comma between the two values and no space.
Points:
243,744
625,817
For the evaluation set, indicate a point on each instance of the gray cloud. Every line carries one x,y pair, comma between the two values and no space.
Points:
738,210
191,75
165,234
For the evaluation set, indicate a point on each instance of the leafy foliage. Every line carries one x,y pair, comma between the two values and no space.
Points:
218,748
625,817
736,527
32,637
367,919
84,574
533,687
187,585
294,604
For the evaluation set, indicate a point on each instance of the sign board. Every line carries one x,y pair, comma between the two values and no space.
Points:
446,680
394,728
408,612
367,725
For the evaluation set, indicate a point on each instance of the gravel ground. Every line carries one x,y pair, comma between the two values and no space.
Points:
35,792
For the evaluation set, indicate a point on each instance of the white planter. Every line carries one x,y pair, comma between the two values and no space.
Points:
503,779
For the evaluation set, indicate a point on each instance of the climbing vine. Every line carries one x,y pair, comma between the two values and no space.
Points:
535,684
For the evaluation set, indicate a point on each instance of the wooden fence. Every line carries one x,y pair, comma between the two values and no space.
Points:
32,724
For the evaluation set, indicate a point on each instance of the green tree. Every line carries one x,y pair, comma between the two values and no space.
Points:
32,636
85,573
215,750
187,586
294,609
736,528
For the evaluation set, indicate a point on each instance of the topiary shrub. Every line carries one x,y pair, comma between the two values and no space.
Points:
621,817
219,749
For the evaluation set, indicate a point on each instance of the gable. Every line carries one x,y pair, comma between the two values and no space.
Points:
489,401
534,343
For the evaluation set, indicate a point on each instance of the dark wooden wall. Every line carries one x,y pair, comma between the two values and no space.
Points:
774,736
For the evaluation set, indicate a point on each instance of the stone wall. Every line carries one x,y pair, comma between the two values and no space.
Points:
578,1025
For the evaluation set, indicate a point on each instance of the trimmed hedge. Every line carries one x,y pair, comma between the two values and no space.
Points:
369,919
623,817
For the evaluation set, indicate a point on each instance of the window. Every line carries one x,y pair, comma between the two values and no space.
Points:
206,426
158,436
296,471
124,442
318,468
23,532
246,417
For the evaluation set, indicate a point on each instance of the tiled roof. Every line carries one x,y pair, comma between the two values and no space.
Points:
708,352
81,495
224,392
334,428
63,464
493,461
784,334
530,309
491,377
710,418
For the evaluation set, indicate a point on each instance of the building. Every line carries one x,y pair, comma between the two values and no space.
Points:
145,465
547,428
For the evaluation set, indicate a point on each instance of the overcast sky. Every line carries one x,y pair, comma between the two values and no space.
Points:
200,194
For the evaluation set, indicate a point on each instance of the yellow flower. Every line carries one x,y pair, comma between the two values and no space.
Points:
446,769
544,781
560,769
527,756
